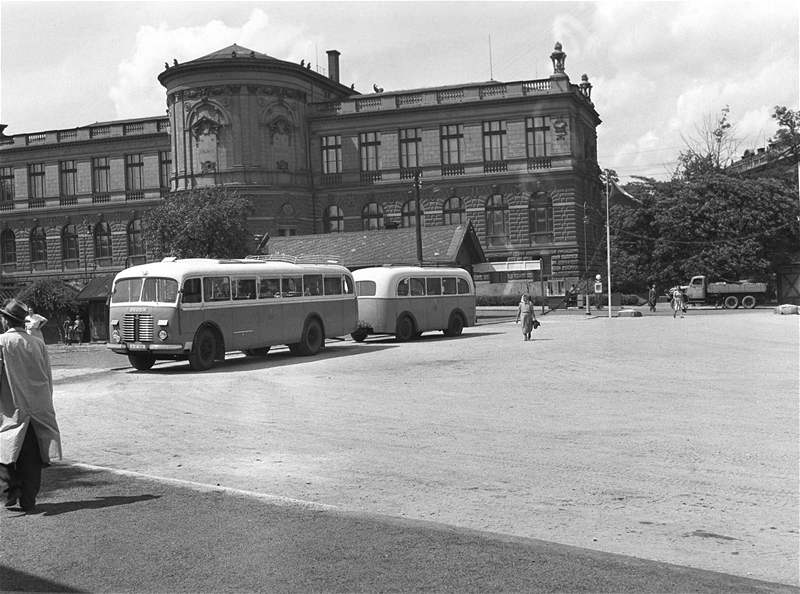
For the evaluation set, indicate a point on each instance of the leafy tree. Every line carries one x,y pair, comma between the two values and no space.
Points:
722,226
52,299
787,137
202,223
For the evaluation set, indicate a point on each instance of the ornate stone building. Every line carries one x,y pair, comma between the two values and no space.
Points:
517,159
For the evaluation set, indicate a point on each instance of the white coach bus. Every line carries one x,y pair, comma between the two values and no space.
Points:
197,309
409,300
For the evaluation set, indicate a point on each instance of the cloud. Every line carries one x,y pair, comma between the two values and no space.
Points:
136,92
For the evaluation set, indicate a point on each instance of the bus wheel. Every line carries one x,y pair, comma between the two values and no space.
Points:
313,338
259,352
455,326
748,302
141,361
405,329
731,302
204,349
359,335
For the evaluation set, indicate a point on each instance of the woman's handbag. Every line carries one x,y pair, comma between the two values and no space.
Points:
536,324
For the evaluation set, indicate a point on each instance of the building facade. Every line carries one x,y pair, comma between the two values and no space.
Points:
518,160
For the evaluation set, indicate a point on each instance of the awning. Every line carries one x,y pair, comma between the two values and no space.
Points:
513,266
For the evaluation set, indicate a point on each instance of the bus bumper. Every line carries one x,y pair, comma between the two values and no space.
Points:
139,347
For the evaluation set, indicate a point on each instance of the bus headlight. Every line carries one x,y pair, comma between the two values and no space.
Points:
162,334
115,338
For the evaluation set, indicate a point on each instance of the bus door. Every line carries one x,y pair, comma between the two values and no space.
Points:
191,308
217,305
244,314
435,314
270,311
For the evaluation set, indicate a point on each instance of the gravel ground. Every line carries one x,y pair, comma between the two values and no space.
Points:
667,439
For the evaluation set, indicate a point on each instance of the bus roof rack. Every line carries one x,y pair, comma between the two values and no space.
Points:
301,259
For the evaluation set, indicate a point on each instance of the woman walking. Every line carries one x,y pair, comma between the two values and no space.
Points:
525,312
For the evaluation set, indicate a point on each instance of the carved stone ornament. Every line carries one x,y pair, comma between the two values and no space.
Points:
205,125
208,167
560,128
282,165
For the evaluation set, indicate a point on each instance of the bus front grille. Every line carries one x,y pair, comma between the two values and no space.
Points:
137,328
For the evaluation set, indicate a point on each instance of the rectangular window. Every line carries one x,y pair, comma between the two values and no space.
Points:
449,285
292,286
433,286
164,168
463,287
36,180
451,139
269,288
331,154
333,285
417,287
410,141
537,136
100,175
494,138
554,287
216,288
6,184
68,178
312,284
192,291
244,288
369,145
134,168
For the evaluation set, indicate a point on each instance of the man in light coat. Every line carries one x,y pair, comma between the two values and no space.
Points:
29,434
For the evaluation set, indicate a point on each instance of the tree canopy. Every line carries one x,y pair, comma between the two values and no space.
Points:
52,299
201,223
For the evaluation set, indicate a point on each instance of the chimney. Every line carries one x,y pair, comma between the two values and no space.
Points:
333,65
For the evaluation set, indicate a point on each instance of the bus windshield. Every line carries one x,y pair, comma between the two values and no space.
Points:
149,289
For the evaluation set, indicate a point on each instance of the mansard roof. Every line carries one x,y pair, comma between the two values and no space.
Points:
228,52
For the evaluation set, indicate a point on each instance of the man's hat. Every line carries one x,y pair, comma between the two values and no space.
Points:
15,310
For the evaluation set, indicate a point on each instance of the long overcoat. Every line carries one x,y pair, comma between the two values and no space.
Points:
26,396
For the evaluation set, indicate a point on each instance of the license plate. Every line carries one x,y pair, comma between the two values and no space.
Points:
137,346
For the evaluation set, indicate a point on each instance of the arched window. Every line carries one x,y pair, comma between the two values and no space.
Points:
102,244
540,218
372,216
333,219
409,214
8,248
38,248
454,211
496,218
136,254
70,256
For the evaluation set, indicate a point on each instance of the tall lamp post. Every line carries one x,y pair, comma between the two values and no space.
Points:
586,261
417,216
608,238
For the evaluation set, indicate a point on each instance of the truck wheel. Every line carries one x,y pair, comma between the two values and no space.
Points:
748,302
204,349
312,339
405,328
141,361
731,302
455,326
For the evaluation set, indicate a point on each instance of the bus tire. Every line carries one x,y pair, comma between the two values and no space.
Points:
359,335
731,302
204,350
313,339
142,361
455,326
257,352
748,302
404,331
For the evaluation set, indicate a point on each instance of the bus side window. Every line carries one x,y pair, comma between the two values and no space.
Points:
417,287
367,288
333,285
347,284
269,288
192,292
449,285
244,288
312,284
402,288
292,286
433,286
463,287
216,288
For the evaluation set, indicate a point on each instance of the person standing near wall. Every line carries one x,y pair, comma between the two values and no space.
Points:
652,297
527,314
29,435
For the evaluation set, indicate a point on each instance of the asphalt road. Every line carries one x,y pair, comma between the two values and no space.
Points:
582,461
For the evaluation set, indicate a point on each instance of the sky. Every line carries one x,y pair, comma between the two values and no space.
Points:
660,70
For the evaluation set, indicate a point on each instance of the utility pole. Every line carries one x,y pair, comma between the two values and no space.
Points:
417,216
608,238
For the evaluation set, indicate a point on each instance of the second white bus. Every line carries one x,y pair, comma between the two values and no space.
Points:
409,300
197,309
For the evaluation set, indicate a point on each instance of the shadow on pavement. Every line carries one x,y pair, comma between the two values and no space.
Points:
12,580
